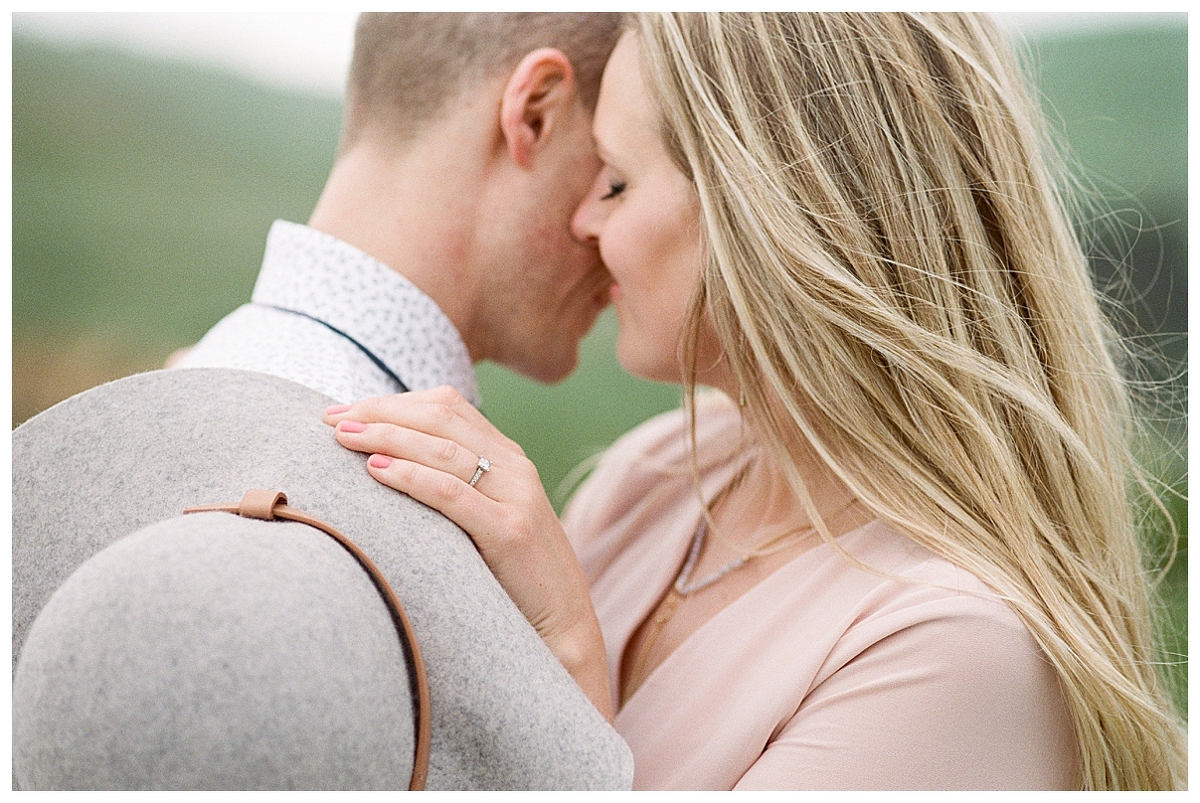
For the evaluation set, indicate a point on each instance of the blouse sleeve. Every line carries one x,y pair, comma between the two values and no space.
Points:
949,703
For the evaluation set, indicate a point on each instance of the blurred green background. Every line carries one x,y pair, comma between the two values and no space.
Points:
142,191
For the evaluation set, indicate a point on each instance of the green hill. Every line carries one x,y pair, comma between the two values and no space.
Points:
1121,99
142,190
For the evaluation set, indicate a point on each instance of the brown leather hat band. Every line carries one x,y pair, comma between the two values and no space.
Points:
270,505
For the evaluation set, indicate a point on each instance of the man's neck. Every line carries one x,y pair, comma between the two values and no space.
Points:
413,211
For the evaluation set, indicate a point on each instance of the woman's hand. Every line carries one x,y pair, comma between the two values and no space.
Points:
429,444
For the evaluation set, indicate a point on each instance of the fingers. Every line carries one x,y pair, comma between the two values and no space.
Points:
502,529
437,428
457,500
440,411
442,454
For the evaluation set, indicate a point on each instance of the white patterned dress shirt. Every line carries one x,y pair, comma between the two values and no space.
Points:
328,316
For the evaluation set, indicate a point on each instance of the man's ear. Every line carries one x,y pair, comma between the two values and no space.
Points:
538,95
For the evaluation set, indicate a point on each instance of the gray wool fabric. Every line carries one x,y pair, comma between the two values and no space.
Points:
153,650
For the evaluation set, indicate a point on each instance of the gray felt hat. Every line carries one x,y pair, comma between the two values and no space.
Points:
209,651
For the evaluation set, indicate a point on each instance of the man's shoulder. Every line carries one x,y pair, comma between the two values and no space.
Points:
272,341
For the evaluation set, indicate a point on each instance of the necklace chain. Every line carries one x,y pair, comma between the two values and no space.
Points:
684,587
683,581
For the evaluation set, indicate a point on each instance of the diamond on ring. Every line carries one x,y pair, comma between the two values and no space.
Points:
483,467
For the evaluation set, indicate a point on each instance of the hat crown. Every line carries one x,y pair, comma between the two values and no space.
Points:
128,457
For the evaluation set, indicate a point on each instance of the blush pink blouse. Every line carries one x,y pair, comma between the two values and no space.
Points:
823,676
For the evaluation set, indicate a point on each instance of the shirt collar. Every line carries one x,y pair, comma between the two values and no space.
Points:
308,271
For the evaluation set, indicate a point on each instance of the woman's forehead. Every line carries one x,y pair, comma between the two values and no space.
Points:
624,118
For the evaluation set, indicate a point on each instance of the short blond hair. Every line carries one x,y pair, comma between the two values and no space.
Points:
894,280
407,66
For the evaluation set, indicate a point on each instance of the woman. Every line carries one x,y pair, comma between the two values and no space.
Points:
902,558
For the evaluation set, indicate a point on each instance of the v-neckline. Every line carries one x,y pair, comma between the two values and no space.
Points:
712,622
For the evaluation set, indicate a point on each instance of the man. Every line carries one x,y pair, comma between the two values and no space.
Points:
218,657
442,237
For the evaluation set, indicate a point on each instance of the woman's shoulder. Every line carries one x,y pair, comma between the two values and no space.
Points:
903,584
899,662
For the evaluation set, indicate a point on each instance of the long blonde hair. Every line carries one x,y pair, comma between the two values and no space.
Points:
891,274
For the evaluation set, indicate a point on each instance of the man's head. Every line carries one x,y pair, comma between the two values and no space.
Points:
408,67
465,149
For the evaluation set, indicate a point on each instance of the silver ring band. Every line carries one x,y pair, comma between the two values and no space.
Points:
482,468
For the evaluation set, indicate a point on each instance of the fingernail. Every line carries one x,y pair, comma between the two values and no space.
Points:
337,409
379,461
351,426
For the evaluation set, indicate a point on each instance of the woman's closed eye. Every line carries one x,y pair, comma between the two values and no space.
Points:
615,188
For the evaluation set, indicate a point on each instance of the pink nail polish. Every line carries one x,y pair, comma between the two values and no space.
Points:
337,409
379,461
352,426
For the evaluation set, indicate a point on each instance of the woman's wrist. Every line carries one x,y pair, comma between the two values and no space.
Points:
580,650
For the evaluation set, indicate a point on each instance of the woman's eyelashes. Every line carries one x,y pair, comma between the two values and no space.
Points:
615,188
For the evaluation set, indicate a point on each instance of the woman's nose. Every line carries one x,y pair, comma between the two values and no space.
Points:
585,223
